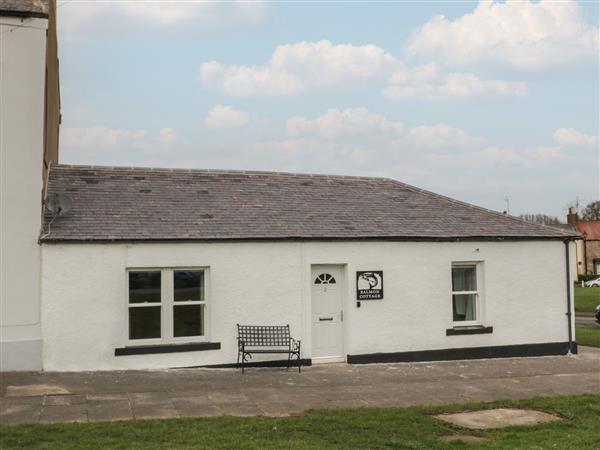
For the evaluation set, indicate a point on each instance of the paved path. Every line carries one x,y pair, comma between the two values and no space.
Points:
586,320
29,397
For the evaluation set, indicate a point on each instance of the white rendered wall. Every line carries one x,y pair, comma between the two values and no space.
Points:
22,78
85,314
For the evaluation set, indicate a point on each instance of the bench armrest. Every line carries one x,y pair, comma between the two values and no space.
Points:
294,345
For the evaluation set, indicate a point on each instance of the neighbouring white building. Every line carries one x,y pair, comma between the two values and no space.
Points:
29,116
132,268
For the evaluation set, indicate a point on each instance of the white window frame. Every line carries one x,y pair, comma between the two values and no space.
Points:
479,312
167,304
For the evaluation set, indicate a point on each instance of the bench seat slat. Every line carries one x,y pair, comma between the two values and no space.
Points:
283,350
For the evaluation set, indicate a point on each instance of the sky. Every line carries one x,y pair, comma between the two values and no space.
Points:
492,103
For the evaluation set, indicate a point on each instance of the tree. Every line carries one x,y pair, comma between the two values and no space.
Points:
543,219
591,211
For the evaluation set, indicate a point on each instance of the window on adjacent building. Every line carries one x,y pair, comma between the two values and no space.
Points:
167,304
465,295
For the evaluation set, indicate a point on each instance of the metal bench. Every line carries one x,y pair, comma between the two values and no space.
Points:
266,339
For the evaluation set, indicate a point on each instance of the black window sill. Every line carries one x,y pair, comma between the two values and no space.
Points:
456,331
166,348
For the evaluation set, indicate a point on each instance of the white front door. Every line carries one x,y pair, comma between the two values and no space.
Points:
327,313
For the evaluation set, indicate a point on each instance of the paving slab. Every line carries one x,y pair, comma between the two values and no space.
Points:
35,390
154,412
12,413
109,410
497,418
28,397
56,400
64,413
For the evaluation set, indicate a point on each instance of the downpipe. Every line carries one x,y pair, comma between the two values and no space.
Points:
572,344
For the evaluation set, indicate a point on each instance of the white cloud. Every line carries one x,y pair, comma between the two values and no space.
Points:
520,34
569,137
101,144
344,123
422,83
439,136
115,18
225,117
294,68
494,157
362,127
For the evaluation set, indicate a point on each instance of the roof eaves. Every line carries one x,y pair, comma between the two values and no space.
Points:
51,240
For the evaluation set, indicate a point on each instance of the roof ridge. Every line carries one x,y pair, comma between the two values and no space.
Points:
216,171
481,208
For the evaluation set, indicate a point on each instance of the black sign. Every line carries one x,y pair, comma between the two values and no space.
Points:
369,285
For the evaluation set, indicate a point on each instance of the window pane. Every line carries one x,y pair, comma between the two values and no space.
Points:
464,279
188,320
144,322
189,285
463,307
144,287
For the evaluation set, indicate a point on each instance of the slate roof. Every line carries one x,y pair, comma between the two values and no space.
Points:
131,204
24,8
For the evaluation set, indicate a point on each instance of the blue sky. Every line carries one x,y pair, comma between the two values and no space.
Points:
475,101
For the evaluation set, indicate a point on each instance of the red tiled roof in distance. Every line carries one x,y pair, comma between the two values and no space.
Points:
590,229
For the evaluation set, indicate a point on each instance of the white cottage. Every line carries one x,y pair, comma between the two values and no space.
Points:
153,268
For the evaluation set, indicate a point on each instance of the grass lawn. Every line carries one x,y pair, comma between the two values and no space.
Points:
587,336
405,428
586,299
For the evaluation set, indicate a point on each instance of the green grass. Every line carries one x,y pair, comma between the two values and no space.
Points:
587,336
364,428
586,299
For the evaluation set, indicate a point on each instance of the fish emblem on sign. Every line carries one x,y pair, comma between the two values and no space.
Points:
369,285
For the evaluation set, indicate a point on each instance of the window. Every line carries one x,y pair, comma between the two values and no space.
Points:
144,305
167,305
325,278
465,294
188,306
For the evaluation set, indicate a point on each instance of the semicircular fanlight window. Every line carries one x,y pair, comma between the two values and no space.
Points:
325,278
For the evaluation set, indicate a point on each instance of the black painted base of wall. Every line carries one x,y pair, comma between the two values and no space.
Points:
502,351
275,363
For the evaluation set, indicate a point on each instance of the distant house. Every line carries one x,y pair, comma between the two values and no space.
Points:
588,248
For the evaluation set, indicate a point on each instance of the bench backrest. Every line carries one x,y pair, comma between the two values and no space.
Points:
264,335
